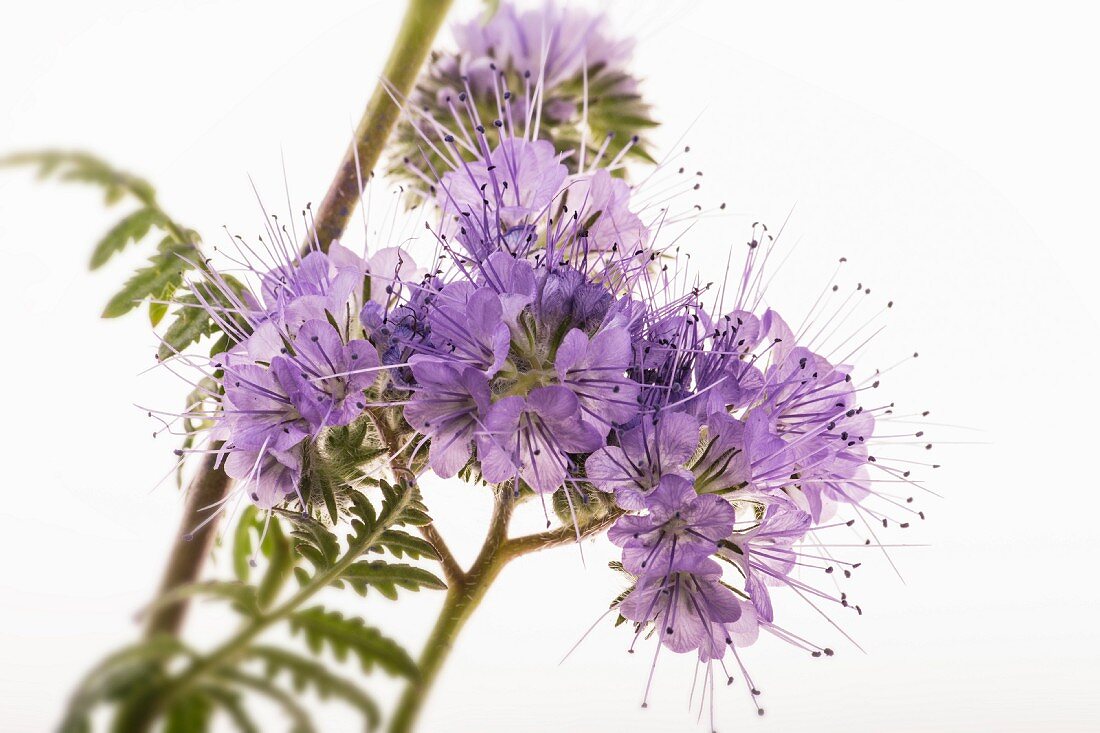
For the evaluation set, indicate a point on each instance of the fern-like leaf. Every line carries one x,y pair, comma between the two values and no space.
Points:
386,578
401,543
322,627
305,674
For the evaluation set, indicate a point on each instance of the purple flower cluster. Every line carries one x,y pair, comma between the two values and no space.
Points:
299,364
562,71
554,351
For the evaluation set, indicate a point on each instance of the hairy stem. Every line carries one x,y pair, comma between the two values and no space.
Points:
462,599
208,487
464,596
422,21
451,569
414,40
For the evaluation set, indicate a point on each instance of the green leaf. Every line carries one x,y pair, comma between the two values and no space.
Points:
190,713
241,596
322,484
243,548
132,228
165,269
343,635
280,563
313,540
231,704
120,675
298,715
275,549
81,167
386,578
306,673
402,543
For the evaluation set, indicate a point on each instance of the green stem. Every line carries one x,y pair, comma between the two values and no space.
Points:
468,590
462,600
422,21
463,597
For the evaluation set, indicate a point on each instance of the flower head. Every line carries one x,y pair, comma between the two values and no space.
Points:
558,69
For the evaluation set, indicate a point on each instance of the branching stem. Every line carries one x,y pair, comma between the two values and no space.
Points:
466,592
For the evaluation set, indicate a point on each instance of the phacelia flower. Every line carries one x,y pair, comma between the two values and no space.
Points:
680,527
449,405
531,438
558,68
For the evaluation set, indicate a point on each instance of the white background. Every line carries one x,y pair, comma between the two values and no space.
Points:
948,149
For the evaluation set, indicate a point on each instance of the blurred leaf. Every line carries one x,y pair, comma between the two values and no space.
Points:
132,228
134,667
241,596
306,673
189,714
322,627
164,274
80,167
298,715
231,704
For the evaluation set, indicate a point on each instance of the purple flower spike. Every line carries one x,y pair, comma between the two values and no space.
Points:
595,370
681,528
447,408
531,438
644,455
325,377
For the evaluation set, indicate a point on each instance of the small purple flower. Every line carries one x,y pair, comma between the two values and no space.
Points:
268,476
565,296
513,280
681,528
469,327
531,438
447,406
724,464
601,205
257,412
764,553
690,609
567,38
725,373
645,453
517,182
595,370
324,377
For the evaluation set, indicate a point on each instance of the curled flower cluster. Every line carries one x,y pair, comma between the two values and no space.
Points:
559,67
